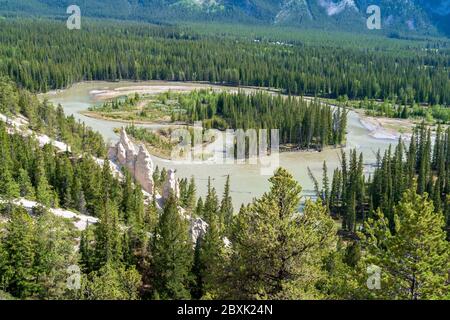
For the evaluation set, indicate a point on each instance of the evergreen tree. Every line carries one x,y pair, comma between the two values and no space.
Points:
212,260
335,195
325,186
414,260
127,195
108,247
172,254
191,195
8,187
211,205
87,255
197,272
226,207
111,282
17,273
353,254
199,207
277,253
54,254
44,194
26,188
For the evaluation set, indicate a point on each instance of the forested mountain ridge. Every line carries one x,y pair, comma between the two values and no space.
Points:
418,16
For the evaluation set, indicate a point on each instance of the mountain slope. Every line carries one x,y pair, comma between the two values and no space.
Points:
439,11
417,16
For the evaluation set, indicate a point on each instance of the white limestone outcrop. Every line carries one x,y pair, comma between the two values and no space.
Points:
19,124
171,185
79,220
197,228
139,163
143,169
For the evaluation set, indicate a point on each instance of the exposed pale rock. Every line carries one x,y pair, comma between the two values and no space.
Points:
143,169
171,185
197,229
19,124
227,242
121,154
127,144
115,168
139,163
112,153
79,220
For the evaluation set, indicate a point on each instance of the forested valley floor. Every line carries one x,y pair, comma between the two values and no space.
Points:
396,220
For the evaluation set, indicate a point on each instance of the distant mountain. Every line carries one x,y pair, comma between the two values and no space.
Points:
408,16
439,11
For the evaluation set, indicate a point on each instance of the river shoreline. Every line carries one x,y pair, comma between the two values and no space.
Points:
380,128
387,128
165,83
247,180
284,148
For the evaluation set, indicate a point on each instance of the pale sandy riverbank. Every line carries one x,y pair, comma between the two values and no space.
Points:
387,128
157,88
247,180
380,128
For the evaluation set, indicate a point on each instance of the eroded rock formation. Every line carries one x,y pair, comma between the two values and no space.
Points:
197,228
171,185
143,169
139,163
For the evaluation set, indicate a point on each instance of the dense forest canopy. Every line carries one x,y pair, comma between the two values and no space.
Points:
424,166
396,218
43,117
43,55
302,123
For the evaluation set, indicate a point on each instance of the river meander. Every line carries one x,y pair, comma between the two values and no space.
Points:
246,179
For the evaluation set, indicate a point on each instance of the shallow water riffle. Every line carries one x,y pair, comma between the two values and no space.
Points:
247,181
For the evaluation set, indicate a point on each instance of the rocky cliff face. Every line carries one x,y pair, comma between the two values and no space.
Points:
137,160
197,228
171,185
143,169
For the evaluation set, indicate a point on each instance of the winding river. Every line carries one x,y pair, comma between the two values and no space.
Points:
246,180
